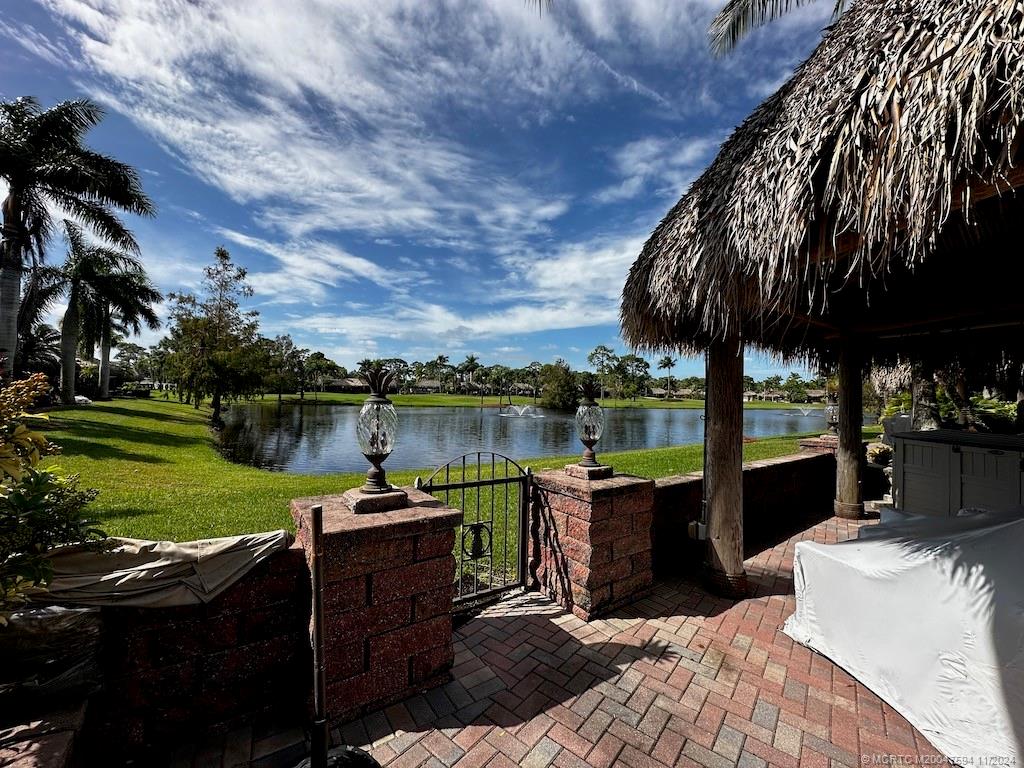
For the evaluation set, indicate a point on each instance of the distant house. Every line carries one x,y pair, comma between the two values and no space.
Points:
522,388
750,396
773,396
348,385
658,391
426,386
816,395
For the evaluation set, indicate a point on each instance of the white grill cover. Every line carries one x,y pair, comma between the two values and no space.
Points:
928,614
157,574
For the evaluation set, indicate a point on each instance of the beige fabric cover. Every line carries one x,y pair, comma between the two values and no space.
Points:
158,574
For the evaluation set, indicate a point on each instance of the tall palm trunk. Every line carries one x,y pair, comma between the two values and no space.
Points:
10,286
69,330
104,373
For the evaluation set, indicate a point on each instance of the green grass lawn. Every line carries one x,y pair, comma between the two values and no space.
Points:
161,477
492,401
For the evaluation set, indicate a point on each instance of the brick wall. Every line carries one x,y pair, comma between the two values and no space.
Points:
780,496
595,540
173,672
388,600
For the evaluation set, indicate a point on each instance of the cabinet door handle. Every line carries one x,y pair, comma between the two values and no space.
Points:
996,452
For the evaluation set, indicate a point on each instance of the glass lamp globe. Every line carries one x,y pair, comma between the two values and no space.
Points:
589,426
832,416
376,433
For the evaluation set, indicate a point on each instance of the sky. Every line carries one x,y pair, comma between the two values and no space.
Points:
407,178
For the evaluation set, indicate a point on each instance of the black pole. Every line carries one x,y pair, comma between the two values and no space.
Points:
319,737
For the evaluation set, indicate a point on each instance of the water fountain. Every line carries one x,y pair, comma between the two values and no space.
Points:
806,411
521,412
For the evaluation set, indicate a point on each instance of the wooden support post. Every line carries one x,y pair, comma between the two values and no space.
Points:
849,502
723,470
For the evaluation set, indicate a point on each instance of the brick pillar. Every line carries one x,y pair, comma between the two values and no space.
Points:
388,599
595,540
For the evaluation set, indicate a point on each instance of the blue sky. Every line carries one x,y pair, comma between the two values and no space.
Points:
407,177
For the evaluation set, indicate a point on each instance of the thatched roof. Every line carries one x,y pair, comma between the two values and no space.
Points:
863,172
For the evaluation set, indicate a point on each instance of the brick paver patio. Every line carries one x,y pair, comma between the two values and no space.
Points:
680,678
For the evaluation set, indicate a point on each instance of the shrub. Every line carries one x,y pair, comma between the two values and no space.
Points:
560,390
39,508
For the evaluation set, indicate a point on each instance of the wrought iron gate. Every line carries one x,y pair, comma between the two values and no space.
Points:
492,544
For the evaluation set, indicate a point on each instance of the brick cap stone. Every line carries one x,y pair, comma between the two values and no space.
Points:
589,473
616,485
364,503
422,514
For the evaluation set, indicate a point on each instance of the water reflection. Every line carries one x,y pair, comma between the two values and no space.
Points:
320,438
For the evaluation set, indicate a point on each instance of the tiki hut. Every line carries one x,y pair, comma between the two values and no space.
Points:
869,210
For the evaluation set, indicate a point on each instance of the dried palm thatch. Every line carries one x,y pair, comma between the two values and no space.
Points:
873,157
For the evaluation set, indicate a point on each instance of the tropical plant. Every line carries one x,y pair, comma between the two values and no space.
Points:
470,366
47,167
533,371
98,281
603,359
39,509
39,350
667,363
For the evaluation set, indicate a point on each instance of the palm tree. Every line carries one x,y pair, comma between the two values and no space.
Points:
44,286
667,363
120,301
39,350
442,366
47,167
470,366
535,369
80,274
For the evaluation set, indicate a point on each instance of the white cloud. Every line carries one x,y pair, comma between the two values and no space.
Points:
35,42
308,267
658,166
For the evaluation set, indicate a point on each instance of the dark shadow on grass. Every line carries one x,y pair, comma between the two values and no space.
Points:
97,430
71,446
120,513
135,413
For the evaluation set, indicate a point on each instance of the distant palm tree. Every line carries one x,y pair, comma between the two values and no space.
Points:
667,363
39,350
470,366
84,262
47,167
442,366
44,286
96,279
118,304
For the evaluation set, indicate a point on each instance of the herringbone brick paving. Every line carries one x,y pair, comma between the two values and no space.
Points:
680,678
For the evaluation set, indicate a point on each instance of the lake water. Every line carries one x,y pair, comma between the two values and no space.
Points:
320,439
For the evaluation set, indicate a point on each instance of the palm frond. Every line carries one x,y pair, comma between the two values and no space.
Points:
97,217
739,17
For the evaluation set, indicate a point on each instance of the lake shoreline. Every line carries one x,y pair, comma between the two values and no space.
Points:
491,402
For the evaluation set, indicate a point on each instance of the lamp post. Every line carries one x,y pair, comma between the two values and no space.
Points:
832,416
589,422
377,428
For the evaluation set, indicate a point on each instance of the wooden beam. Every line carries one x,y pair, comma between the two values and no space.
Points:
723,469
849,502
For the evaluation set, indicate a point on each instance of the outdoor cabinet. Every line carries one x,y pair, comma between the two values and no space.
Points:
942,471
